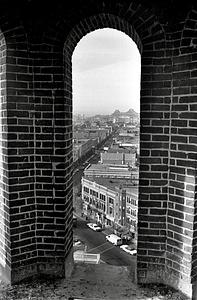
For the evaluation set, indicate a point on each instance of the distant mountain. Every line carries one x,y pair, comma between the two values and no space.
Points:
116,113
130,112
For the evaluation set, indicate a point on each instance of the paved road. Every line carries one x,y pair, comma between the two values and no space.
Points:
96,243
78,173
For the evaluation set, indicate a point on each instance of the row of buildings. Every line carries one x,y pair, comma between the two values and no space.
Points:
87,139
110,187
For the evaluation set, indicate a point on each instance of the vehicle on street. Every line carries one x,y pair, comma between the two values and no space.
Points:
94,226
76,242
129,249
114,239
127,238
74,221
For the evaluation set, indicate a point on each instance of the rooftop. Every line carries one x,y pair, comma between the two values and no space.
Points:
112,156
107,167
113,183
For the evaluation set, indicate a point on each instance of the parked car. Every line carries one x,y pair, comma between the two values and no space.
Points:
94,226
74,221
114,239
127,238
76,242
129,249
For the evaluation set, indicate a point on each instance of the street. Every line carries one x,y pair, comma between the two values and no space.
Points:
78,173
96,243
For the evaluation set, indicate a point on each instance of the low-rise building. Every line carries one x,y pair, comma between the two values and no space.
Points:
112,158
113,171
118,158
82,147
99,199
108,171
92,133
131,199
110,202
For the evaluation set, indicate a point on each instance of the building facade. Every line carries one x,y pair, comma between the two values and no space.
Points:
92,133
100,200
82,147
132,208
110,202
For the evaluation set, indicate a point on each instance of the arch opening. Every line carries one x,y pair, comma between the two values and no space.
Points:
106,96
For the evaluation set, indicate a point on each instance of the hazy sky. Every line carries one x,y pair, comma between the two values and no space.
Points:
106,73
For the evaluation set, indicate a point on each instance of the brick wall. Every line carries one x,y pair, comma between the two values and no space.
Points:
36,147
5,258
37,158
53,159
154,155
181,242
20,147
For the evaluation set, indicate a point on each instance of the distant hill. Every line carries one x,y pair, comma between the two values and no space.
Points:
131,113
116,113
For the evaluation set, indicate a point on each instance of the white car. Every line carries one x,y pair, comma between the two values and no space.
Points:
76,242
94,226
114,239
129,249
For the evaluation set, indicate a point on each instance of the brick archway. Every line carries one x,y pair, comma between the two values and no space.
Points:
151,44
38,139
157,258
98,22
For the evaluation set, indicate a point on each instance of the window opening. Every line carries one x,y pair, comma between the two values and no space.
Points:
106,122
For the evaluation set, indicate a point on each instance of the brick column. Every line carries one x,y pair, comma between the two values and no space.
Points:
168,165
36,157
181,242
154,158
53,160
5,253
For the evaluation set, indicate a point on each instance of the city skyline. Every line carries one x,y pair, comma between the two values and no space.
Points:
106,73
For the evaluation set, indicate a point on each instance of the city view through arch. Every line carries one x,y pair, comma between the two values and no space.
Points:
106,122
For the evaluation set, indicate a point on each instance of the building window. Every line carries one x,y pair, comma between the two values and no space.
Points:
111,200
86,189
102,197
133,202
95,193
86,198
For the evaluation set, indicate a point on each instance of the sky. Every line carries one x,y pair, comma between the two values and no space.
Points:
106,66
